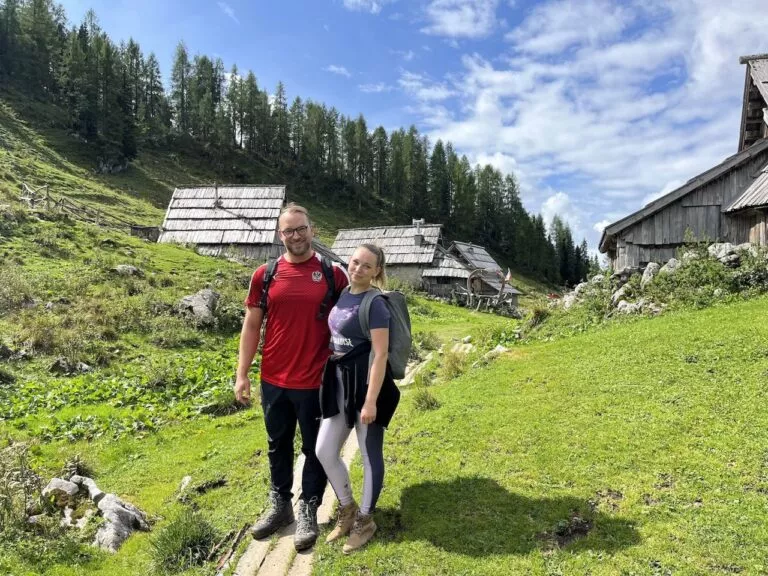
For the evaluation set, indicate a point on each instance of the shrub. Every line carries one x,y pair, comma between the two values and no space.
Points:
426,339
20,487
15,289
423,400
538,315
6,377
183,543
453,365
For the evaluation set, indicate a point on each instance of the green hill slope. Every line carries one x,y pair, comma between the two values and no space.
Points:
635,449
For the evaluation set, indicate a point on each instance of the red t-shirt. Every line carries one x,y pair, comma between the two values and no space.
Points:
296,343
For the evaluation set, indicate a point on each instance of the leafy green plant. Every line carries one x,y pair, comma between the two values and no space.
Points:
15,289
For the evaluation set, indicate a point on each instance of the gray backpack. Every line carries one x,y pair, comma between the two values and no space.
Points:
399,327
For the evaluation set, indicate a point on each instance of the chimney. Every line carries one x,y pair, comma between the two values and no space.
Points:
418,238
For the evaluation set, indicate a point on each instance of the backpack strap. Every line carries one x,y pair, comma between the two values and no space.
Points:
269,275
331,296
364,312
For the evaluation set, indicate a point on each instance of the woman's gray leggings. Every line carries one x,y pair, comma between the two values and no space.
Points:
370,437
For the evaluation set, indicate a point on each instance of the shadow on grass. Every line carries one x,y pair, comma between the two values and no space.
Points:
478,517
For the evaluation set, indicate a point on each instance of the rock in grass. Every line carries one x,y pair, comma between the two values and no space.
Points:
670,267
121,519
61,491
93,491
127,270
200,306
649,274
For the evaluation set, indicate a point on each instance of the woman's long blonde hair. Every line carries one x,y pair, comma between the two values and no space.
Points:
380,280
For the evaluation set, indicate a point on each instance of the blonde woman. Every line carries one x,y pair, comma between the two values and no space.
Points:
358,391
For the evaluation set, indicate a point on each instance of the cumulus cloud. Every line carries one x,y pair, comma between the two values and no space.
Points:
340,70
374,88
612,103
461,18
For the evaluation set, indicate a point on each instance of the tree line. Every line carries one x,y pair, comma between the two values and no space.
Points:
115,100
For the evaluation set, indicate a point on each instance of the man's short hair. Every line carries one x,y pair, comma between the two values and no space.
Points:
292,208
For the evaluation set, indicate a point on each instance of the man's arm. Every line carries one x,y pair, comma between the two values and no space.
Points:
249,344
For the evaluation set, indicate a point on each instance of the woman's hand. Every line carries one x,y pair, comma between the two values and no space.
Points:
368,413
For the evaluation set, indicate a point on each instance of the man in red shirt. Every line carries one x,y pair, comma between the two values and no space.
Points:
295,348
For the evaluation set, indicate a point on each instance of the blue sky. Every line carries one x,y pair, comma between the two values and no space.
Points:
597,106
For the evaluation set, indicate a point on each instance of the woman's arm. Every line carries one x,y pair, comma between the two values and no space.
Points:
380,346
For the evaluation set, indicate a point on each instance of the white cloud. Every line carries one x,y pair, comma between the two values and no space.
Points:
600,226
326,28
406,55
461,18
340,70
372,6
612,104
560,204
423,89
375,88
229,11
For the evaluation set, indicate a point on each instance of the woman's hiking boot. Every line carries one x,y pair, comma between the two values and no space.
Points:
279,514
362,531
306,524
344,522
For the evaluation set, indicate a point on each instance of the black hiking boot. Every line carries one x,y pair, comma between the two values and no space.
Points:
279,514
306,525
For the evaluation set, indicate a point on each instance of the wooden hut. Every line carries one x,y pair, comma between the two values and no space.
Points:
728,203
409,250
445,274
239,221
488,283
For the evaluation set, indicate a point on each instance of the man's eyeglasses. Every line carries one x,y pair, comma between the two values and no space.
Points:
289,232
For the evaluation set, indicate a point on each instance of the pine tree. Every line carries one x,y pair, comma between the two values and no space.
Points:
280,122
439,200
297,121
10,38
380,151
180,77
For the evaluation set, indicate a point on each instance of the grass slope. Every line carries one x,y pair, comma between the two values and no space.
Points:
637,449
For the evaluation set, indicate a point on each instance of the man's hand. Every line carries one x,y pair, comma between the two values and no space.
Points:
243,390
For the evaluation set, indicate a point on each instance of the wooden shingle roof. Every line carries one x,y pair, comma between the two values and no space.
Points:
398,242
223,215
755,196
447,266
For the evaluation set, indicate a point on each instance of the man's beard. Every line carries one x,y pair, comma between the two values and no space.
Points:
299,249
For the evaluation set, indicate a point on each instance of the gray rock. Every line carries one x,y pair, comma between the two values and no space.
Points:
62,366
672,265
83,521
36,519
66,521
200,306
597,279
121,519
746,247
628,308
463,348
61,491
732,260
569,300
720,250
466,339
649,274
717,293
580,288
93,491
620,294
127,270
